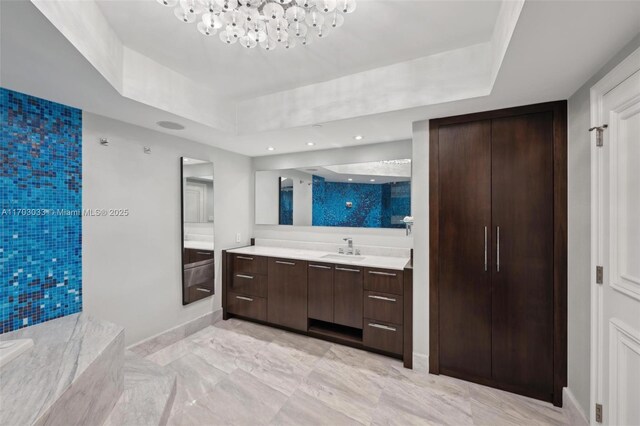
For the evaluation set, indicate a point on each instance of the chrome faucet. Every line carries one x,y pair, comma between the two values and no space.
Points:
349,241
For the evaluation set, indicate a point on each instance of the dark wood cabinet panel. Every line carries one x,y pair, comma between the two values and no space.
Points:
383,307
347,296
382,336
199,255
244,263
247,306
383,280
465,218
320,282
198,281
252,284
287,293
522,273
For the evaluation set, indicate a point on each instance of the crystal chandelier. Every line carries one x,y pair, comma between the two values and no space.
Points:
267,23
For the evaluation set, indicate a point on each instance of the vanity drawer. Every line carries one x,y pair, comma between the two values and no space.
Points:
198,292
383,280
247,283
199,255
249,264
383,307
382,336
247,306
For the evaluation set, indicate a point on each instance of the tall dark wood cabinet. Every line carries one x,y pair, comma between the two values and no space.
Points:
498,249
287,290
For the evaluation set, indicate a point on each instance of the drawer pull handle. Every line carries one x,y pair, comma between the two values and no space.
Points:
388,299
248,299
244,257
246,277
386,274
320,266
281,262
347,269
206,253
382,327
206,290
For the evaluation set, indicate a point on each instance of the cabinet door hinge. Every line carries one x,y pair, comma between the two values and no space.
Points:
599,274
599,134
599,413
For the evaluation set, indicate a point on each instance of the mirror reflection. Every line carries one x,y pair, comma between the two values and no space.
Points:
197,229
373,194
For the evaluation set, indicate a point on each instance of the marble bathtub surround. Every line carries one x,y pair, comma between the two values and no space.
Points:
166,338
371,261
250,374
72,375
333,247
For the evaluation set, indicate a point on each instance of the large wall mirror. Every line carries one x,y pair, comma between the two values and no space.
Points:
198,280
374,194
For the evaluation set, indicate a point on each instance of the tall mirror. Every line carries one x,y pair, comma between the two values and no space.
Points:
374,194
198,278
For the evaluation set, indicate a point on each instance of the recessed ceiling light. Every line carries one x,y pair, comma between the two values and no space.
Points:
372,180
310,144
350,180
170,125
271,148
358,137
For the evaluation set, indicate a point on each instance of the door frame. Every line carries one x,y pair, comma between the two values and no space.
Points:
559,110
617,75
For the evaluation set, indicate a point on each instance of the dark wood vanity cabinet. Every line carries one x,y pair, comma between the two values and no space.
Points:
367,308
320,284
287,293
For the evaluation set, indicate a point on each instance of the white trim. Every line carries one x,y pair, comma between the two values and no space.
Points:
577,417
616,76
420,362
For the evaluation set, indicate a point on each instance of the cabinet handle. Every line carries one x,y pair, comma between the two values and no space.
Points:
347,269
498,249
206,253
206,290
386,274
320,266
247,277
285,263
485,249
248,299
244,258
388,299
382,327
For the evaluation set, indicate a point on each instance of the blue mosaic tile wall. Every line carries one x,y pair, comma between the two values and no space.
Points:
41,202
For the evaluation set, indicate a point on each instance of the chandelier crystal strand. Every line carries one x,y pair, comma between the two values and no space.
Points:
264,23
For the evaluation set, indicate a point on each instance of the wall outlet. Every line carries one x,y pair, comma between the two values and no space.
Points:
238,237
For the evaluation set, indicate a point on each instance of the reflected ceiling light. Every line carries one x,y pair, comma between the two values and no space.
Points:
350,180
186,160
372,180
358,137
310,144
271,148
267,23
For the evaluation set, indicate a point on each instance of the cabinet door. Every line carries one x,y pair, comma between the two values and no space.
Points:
522,273
287,293
320,291
464,164
347,296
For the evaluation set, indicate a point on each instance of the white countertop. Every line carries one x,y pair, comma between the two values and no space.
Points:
383,262
198,245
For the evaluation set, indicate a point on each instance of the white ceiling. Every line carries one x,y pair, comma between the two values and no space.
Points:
555,48
378,33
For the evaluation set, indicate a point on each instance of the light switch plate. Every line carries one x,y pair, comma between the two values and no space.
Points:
238,237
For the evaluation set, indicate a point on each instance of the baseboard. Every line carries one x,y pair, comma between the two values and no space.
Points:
421,362
165,338
574,411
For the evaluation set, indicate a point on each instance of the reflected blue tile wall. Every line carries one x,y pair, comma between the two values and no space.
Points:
41,235
372,205
286,206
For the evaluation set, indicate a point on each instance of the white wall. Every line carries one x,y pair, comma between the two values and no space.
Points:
579,233
266,196
361,236
131,265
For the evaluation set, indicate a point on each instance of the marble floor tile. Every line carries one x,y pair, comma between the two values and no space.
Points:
303,409
195,378
172,352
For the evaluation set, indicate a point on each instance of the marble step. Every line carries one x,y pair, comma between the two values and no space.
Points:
72,375
149,391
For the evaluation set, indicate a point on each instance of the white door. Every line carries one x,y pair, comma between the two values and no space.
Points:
195,195
617,247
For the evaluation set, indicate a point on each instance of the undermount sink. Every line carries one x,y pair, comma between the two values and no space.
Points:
350,257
